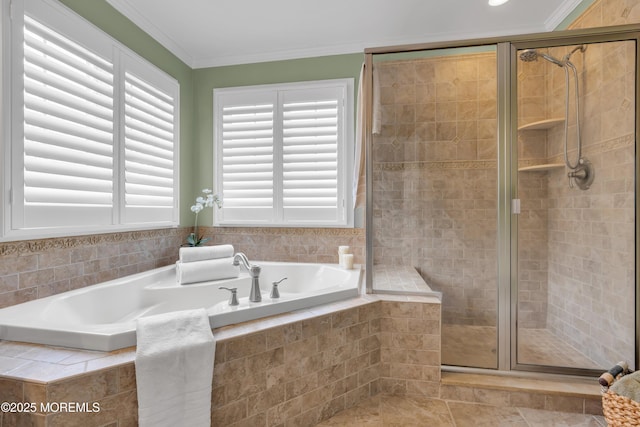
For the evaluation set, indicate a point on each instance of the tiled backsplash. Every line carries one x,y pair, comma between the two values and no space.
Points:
37,268
291,244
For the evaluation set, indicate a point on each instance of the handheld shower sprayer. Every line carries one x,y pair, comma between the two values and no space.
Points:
530,55
581,171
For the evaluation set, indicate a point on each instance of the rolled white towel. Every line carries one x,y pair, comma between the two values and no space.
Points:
202,253
203,271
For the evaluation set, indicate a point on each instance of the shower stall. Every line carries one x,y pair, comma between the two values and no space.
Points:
502,174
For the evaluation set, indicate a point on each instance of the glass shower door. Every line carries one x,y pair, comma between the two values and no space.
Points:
434,191
576,186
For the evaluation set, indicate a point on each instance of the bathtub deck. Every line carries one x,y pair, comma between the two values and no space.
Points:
306,366
41,363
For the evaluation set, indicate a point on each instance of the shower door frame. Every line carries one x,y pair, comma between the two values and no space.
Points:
507,170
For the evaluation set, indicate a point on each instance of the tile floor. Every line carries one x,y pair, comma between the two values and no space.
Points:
392,411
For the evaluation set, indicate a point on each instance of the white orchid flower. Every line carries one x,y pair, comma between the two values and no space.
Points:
202,202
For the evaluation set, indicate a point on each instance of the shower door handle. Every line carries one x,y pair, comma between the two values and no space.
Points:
515,206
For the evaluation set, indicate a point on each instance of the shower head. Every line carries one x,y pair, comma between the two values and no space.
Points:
530,55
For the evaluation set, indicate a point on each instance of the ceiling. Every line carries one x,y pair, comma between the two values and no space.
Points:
209,33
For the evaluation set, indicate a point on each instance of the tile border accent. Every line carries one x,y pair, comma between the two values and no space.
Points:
42,245
610,145
601,147
450,165
284,231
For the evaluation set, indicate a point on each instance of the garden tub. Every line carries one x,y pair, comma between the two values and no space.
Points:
103,316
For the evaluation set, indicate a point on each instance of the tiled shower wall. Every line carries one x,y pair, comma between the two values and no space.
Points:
434,179
577,247
37,268
592,245
532,191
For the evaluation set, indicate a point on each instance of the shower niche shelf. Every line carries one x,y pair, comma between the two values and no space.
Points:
541,168
542,124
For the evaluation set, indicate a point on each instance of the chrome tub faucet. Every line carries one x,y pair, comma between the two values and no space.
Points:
254,271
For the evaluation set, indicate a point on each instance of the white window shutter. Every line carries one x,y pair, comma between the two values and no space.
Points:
245,157
149,151
310,137
68,131
283,162
94,130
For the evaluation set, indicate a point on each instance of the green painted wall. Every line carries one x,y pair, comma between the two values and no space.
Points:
207,79
102,15
196,129
196,91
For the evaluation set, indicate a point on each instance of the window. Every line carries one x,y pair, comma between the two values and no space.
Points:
94,129
283,152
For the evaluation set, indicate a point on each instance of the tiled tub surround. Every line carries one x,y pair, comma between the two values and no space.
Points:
37,268
290,370
291,244
34,269
294,369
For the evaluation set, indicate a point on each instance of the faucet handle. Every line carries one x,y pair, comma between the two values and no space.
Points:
275,293
233,300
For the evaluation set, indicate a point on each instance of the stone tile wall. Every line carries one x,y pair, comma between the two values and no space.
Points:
581,242
410,348
298,374
291,244
435,178
591,233
37,268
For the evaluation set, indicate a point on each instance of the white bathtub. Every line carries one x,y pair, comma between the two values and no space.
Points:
103,316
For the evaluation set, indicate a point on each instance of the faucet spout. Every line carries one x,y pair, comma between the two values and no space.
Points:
254,272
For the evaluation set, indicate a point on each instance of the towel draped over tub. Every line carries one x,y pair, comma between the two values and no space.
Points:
174,369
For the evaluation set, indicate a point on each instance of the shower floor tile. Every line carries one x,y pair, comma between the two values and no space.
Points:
541,347
387,411
476,346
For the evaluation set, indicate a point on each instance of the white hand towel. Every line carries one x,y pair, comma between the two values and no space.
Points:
202,253
174,369
203,271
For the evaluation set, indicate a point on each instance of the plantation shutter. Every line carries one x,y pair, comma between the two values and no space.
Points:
94,129
150,123
68,132
310,132
247,154
282,153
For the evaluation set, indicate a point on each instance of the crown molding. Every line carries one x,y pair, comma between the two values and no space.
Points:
350,48
559,15
126,8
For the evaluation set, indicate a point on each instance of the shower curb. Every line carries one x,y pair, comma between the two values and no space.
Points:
566,394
